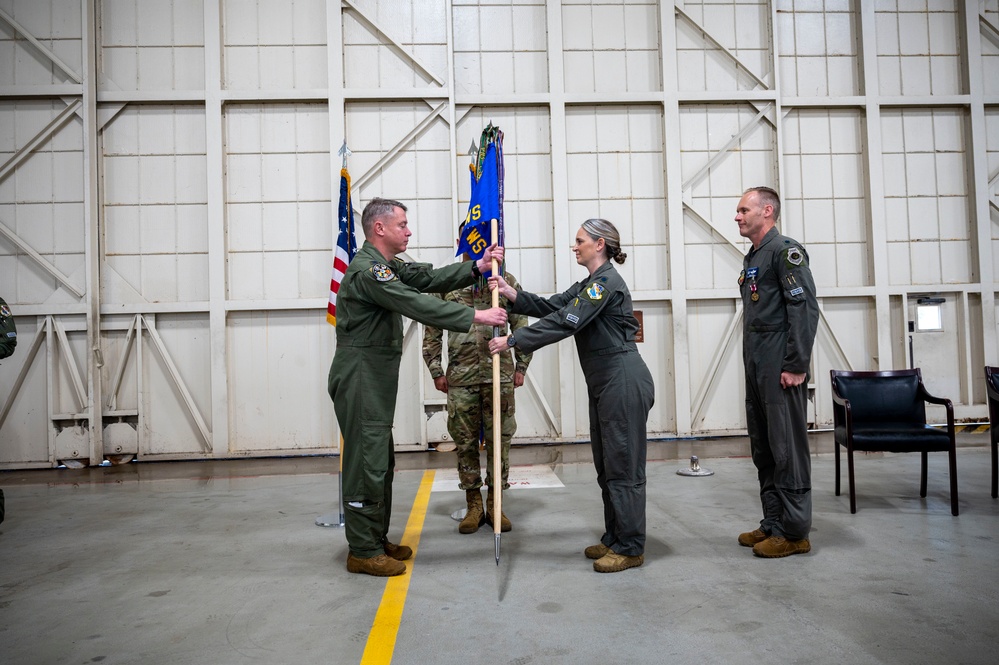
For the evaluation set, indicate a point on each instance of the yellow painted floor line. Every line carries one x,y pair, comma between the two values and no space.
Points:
381,639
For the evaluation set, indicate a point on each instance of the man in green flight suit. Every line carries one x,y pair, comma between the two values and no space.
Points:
375,293
468,385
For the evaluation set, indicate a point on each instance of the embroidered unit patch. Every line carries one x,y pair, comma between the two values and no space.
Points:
595,291
4,311
795,257
382,272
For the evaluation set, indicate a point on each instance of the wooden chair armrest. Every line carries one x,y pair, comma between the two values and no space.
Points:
933,399
842,413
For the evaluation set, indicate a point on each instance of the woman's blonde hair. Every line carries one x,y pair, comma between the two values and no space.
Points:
600,228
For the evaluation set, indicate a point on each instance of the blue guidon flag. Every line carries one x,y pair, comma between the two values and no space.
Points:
486,201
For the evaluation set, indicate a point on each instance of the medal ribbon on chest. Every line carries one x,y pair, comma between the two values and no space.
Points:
751,275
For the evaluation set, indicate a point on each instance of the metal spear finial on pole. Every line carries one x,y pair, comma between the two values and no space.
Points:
344,152
497,486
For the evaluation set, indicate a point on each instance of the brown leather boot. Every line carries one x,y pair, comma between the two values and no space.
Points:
379,566
505,523
474,517
597,551
777,546
397,552
612,562
750,538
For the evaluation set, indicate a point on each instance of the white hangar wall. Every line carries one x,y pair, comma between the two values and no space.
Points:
170,169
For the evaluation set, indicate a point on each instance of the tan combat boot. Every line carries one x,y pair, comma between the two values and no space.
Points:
505,523
474,517
778,546
397,552
379,566
597,551
612,562
751,538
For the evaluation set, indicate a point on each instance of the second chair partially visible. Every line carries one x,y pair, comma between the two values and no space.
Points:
886,412
992,389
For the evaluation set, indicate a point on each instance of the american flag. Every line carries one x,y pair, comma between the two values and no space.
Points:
346,245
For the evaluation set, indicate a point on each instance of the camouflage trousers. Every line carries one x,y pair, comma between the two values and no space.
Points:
469,417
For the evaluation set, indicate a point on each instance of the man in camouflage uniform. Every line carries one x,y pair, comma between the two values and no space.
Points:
780,317
469,388
376,291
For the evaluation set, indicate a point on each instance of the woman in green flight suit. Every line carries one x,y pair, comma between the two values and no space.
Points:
597,311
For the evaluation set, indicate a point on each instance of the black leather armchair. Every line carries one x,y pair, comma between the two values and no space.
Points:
992,388
886,412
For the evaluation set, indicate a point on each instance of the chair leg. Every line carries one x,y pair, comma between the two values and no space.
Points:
922,476
853,491
952,454
836,446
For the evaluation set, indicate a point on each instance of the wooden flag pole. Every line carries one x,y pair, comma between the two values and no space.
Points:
497,486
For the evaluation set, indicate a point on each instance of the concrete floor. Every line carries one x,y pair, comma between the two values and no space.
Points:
221,562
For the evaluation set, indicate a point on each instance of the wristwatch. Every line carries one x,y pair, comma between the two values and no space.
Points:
511,341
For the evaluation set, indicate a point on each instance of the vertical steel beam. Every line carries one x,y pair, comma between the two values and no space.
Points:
778,112
337,117
453,152
215,174
560,201
978,178
452,117
91,220
676,238
878,233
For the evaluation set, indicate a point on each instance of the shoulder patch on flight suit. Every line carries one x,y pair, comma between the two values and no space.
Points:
794,257
595,291
382,272
5,311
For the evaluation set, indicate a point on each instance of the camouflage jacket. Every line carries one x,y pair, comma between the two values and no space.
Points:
468,360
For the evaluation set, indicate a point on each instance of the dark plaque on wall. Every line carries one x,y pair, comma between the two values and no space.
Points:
640,335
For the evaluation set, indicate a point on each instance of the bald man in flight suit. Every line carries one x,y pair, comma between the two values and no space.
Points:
780,317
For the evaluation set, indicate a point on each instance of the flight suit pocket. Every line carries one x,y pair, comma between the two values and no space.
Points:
617,452
376,456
